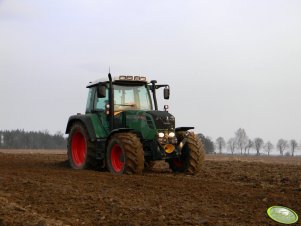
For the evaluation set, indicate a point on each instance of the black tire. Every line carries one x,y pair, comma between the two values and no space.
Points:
192,157
125,154
81,152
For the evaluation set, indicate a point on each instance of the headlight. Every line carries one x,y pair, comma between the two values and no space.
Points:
171,134
161,135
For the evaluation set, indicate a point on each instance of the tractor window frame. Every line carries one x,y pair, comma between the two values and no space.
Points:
135,96
90,99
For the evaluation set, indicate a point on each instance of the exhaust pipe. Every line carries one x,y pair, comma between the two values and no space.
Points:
111,102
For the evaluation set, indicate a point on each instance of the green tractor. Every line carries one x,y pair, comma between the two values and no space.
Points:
122,132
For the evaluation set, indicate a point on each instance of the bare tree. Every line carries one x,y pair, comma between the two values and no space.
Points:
268,147
220,144
232,145
293,145
258,143
208,143
248,146
241,139
282,145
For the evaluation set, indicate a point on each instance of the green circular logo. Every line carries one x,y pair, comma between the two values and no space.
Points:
282,214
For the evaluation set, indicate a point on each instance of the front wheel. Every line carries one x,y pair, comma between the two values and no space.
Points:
125,154
192,156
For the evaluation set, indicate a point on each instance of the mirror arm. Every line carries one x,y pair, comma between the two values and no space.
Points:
153,89
160,86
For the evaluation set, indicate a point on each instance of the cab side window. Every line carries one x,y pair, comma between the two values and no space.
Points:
89,105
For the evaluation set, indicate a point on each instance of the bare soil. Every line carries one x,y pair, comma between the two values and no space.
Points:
38,188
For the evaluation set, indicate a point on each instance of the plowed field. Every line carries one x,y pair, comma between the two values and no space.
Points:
40,189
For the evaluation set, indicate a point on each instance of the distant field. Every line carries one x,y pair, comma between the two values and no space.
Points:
34,151
295,160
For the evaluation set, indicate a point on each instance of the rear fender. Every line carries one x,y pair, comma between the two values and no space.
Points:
86,121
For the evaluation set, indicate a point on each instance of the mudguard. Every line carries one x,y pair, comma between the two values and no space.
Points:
86,121
183,128
120,130
183,142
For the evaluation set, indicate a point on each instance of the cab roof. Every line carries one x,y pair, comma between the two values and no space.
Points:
120,78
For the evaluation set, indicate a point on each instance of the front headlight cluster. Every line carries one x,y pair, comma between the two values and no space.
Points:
161,135
171,135
167,137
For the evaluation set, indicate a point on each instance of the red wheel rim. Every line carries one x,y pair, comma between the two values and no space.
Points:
117,158
178,163
79,148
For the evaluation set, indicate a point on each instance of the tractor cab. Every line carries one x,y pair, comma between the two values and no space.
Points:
129,93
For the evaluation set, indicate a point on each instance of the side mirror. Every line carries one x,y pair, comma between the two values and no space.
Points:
166,93
101,91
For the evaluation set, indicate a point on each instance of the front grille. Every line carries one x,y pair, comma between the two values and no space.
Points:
163,120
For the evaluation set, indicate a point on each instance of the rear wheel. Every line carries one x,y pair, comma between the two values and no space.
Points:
192,156
80,149
125,154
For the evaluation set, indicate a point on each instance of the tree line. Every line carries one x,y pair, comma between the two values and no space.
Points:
242,143
20,139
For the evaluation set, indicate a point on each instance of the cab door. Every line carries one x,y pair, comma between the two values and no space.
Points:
96,106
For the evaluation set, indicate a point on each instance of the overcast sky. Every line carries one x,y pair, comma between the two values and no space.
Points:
230,64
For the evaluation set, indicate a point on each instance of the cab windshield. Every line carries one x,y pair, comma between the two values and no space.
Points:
131,98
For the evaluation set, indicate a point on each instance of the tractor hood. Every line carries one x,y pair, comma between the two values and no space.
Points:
148,123
163,120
